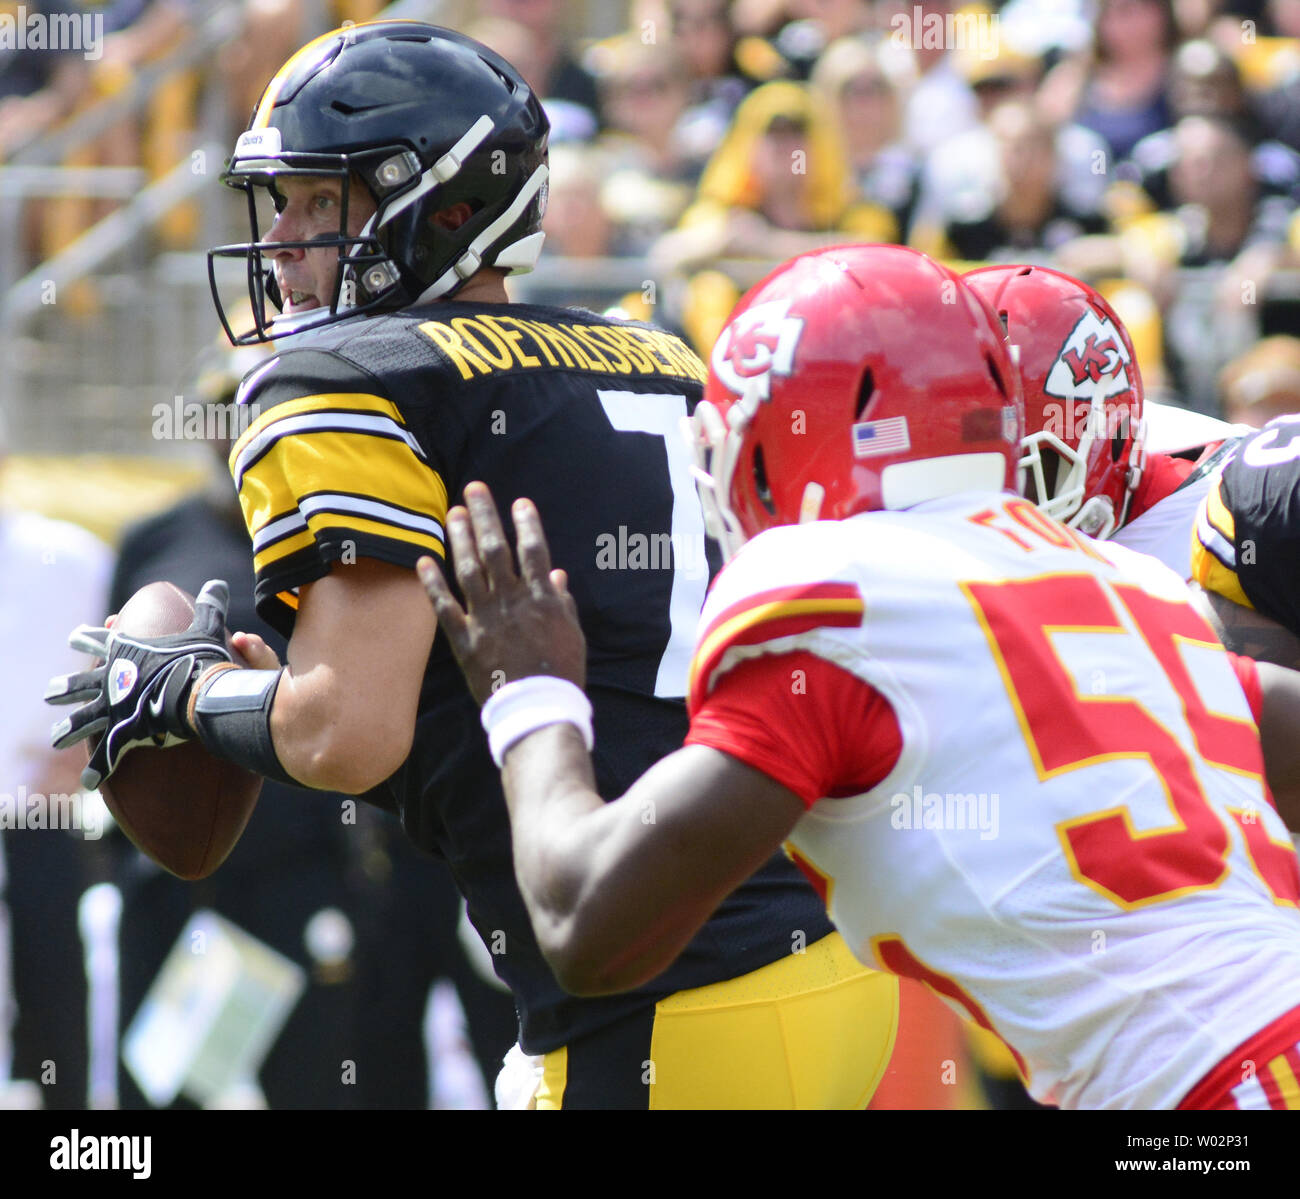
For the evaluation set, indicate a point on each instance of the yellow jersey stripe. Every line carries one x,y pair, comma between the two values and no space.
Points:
380,528
347,463
283,549
1211,574
1217,513
1287,1084
349,401
1214,552
356,525
306,406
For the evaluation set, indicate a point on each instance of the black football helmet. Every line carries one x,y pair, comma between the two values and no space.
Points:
426,118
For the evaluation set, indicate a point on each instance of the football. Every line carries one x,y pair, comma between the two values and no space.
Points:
181,806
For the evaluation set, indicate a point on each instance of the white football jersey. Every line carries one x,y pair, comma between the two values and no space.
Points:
1074,846
1165,529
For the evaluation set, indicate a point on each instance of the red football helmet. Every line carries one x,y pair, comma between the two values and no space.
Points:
852,379
1083,448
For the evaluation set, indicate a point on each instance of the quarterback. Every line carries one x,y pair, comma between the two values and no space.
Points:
403,169
894,618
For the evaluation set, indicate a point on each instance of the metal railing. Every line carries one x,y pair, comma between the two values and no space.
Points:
101,243
219,26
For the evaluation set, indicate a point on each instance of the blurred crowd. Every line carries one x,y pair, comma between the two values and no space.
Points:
1148,146
1151,147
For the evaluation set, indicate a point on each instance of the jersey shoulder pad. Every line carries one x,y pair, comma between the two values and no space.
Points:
293,374
1247,535
777,587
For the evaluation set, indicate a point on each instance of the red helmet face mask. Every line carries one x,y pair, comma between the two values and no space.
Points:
1083,448
853,379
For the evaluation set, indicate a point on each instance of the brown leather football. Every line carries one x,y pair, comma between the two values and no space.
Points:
181,806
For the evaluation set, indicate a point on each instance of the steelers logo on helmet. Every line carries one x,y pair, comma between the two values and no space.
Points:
430,124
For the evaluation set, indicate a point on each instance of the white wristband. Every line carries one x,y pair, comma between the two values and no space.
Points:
526,705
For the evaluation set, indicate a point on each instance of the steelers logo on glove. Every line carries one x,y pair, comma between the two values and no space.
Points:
137,694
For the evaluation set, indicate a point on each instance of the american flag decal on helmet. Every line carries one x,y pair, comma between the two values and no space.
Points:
887,436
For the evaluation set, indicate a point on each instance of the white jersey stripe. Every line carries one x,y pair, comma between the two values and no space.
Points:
321,422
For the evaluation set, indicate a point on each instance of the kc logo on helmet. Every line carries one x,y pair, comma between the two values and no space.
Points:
758,344
1093,364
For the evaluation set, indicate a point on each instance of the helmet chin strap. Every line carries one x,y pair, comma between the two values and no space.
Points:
1096,518
470,261
1137,465
286,326
810,504
714,449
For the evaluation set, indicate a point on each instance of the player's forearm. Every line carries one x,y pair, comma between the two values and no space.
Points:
326,740
610,888
1246,632
344,713
1279,732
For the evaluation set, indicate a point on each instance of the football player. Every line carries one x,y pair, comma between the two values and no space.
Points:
1059,824
403,168
1085,454
1246,547
1087,463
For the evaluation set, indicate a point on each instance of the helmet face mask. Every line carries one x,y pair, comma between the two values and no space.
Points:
358,106
363,278
1056,482
853,379
1084,443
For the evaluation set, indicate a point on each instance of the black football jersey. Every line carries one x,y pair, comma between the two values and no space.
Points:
358,440
1247,541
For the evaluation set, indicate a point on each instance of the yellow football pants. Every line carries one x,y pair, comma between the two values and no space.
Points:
812,1030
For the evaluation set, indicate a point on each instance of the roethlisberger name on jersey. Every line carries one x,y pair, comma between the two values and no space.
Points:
487,343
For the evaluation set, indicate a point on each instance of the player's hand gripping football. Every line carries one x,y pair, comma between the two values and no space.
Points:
138,692
512,625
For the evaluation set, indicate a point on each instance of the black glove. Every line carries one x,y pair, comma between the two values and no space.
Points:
140,689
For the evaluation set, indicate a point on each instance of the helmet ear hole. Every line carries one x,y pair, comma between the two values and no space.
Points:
866,389
996,375
1118,439
761,486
